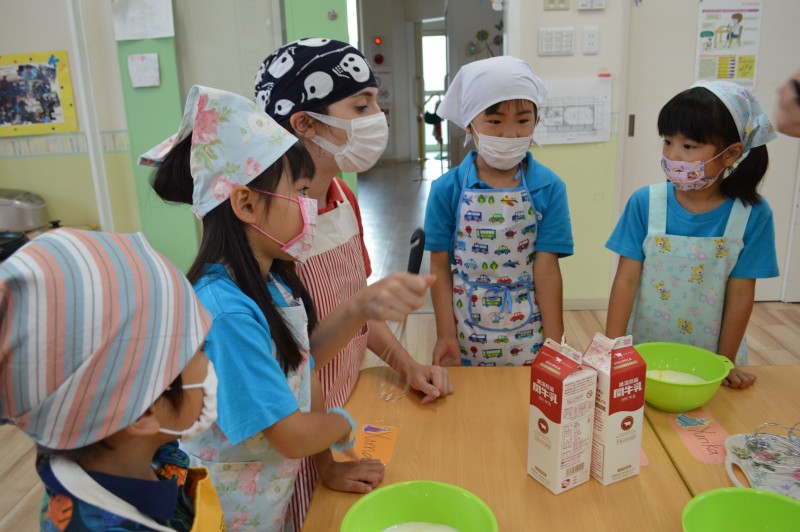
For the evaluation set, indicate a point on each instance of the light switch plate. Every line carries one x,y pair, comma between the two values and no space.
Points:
590,4
557,41
556,5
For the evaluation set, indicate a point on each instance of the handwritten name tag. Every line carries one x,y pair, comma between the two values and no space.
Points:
702,435
373,440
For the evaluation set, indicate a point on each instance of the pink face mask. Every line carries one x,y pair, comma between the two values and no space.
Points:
690,176
299,248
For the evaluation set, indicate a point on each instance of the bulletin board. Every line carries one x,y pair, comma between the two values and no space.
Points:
36,94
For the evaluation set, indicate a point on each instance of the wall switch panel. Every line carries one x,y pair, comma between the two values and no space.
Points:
557,41
590,4
591,40
556,5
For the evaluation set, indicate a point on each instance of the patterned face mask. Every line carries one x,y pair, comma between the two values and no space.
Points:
690,176
299,248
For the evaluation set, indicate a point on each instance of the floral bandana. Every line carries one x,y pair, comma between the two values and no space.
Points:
751,120
233,141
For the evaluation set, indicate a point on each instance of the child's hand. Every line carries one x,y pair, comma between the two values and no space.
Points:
360,476
394,297
739,379
432,381
446,352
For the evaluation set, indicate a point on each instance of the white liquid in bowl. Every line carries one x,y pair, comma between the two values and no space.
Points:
678,377
420,527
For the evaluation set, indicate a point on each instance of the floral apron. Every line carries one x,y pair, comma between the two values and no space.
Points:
681,294
333,272
494,301
253,481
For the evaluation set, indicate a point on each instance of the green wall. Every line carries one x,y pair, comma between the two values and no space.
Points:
309,18
153,114
590,171
64,181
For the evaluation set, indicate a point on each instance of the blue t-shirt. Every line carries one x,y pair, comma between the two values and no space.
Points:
547,191
252,393
757,260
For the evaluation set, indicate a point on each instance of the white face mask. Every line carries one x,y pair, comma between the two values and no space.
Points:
500,152
208,415
366,140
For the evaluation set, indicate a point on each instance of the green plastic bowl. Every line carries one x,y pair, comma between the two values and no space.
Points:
729,509
423,501
678,397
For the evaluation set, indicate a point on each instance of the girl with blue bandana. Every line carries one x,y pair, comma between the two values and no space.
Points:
692,248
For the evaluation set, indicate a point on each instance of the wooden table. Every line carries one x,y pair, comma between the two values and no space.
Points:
775,397
477,438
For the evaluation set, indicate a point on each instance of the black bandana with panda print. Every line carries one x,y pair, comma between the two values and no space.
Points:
308,75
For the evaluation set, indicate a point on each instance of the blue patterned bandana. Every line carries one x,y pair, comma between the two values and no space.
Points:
755,128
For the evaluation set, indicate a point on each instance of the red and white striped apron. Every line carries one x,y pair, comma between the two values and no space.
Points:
333,273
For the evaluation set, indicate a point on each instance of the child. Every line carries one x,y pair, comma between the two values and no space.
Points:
247,179
499,222
101,365
344,130
691,249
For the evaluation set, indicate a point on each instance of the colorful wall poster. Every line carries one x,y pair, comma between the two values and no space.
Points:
728,33
36,94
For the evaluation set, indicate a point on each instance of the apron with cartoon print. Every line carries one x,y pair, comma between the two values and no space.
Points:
497,318
681,294
253,481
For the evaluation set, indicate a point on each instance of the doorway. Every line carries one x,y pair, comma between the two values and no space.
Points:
431,71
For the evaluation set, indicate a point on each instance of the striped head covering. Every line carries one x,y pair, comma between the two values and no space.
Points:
310,74
93,328
233,142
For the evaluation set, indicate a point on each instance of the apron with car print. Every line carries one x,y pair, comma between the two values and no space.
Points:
253,481
681,294
494,301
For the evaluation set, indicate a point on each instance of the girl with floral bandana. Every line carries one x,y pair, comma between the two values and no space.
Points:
247,179
692,248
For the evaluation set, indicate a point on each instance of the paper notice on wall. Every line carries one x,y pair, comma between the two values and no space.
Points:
143,69
575,111
142,19
728,33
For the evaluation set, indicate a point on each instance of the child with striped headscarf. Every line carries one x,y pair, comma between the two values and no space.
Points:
101,364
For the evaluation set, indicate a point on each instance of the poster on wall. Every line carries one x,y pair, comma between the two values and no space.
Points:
575,111
728,33
142,19
36,94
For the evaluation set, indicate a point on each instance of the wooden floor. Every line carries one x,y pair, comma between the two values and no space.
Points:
773,337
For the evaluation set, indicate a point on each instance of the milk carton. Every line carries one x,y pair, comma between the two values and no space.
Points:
619,407
561,418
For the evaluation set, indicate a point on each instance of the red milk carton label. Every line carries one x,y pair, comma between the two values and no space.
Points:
561,418
619,407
